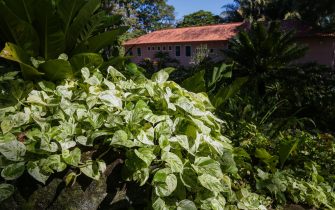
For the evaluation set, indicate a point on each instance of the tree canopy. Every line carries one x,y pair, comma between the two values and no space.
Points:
318,13
199,18
142,15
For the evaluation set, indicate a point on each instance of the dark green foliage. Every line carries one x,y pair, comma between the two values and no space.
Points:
199,18
317,13
264,49
46,29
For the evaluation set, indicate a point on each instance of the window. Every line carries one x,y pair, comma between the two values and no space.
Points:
164,48
211,50
177,51
159,48
139,52
149,48
188,51
130,52
170,48
152,48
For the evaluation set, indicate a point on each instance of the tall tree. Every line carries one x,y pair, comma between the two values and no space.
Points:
200,18
142,15
319,13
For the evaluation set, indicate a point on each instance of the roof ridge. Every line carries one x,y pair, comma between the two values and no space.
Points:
220,24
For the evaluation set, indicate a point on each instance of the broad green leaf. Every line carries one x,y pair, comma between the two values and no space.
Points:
164,183
141,176
18,30
53,163
286,149
72,157
145,154
6,125
70,179
13,171
83,140
173,161
91,169
159,204
186,205
188,176
195,83
35,171
67,10
15,53
120,138
49,28
206,165
217,203
143,138
189,107
88,60
13,150
182,140
6,190
211,183
226,92
134,69
22,8
110,98
80,21
56,70
96,43
160,77
115,74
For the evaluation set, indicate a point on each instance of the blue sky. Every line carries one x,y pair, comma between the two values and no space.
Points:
184,7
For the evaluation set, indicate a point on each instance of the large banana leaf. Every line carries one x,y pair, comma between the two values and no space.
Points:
15,53
56,70
95,23
67,10
96,43
195,83
89,60
226,92
80,21
24,9
16,30
48,25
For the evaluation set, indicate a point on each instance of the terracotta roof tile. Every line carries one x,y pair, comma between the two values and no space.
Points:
189,34
220,32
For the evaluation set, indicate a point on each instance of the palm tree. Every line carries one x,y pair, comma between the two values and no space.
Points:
255,10
263,50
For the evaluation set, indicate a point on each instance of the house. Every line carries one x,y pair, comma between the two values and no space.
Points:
184,43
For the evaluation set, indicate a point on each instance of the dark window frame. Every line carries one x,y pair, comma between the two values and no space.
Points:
139,52
188,50
179,51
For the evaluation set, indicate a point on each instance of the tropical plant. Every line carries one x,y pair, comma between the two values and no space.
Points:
47,29
263,51
166,136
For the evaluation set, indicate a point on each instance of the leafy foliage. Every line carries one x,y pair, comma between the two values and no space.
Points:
46,30
199,18
168,136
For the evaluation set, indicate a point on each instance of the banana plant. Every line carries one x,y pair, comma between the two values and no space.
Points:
211,82
48,29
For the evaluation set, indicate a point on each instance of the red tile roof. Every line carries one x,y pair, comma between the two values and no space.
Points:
220,32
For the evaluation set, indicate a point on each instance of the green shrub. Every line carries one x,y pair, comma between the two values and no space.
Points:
168,138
